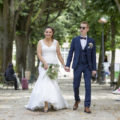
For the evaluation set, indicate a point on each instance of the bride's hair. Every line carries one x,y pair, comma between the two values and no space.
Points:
51,29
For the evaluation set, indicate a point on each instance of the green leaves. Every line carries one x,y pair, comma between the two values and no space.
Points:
1,4
1,1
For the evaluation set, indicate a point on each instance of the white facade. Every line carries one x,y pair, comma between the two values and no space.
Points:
65,51
117,58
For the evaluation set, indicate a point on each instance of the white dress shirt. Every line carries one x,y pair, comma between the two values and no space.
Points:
83,42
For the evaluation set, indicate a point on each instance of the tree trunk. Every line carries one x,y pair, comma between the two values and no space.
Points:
118,83
99,78
8,32
1,42
21,52
31,58
118,4
112,67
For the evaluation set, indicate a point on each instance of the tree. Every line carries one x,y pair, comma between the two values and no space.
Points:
9,11
7,25
111,26
118,4
37,14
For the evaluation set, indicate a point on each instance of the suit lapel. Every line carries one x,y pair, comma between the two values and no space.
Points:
80,43
87,42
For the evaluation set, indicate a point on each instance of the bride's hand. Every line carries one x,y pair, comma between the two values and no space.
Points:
64,67
46,66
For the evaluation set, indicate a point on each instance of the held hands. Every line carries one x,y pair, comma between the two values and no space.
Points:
64,67
93,73
67,69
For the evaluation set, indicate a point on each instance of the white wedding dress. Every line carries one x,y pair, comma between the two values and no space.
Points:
46,89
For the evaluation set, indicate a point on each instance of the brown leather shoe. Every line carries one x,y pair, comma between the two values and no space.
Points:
76,105
87,110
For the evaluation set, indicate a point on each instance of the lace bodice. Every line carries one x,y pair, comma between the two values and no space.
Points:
49,52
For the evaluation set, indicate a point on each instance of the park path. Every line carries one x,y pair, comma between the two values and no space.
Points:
104,105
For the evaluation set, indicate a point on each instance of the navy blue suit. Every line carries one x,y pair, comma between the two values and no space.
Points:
84,61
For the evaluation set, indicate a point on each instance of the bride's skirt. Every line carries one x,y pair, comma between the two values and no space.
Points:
46,90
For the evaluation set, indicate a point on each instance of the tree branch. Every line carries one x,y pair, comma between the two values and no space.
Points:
47,17
40,11
29,19
118,5
59,12
47,22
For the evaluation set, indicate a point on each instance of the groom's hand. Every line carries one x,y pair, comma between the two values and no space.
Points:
67,69
94,73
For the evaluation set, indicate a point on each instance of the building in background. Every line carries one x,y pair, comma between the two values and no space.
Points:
64,52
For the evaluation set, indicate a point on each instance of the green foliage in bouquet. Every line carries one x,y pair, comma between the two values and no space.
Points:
52,71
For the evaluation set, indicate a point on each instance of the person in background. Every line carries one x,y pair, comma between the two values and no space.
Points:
10,75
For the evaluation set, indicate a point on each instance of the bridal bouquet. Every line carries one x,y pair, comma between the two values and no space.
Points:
52,71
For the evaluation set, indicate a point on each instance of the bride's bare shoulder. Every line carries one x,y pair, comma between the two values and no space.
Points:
56,41
39,42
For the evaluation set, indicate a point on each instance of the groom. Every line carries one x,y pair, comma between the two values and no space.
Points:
84,61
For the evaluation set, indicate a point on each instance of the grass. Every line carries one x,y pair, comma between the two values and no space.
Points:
116,75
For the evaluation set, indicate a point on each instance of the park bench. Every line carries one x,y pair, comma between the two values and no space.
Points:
4,82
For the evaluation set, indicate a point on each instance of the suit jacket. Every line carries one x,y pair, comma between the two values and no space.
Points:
76,48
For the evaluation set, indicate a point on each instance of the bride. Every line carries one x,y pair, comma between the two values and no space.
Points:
46,92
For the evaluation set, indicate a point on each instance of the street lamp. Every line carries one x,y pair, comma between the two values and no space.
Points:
102,21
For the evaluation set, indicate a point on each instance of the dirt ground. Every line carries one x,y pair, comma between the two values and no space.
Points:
104,105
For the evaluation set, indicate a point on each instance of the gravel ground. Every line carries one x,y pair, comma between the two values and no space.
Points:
104,105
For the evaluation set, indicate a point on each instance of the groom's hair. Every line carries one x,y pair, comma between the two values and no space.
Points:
85,22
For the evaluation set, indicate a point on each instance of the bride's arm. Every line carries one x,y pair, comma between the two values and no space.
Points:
39,54
59,55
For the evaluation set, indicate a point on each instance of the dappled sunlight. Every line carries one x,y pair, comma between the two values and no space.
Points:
13,97
94,97
82,36
13,102
5,106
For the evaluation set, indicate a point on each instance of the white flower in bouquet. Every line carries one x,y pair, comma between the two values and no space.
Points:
53,67
53,71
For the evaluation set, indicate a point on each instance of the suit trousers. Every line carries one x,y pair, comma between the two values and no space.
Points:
87,73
